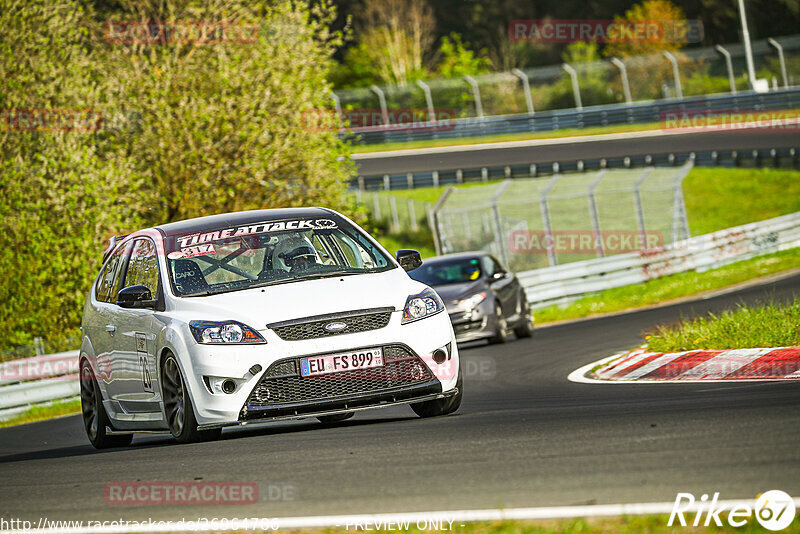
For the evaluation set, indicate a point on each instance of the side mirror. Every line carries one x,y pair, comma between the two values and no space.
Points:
135,297
408,259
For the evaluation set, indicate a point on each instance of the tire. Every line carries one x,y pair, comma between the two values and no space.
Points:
525,328
178,410
95,418
437,407
337,418
501,327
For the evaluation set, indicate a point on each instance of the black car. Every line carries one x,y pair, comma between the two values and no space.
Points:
484,300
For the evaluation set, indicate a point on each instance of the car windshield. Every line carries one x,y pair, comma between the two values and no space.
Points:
442,272
271,252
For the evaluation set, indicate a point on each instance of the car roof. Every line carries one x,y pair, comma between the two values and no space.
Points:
238,218
457,256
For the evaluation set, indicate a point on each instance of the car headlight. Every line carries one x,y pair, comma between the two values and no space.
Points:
472,302
227,332
422,305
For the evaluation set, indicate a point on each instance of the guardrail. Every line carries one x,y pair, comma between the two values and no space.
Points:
562,284
603,115
28,381
768,157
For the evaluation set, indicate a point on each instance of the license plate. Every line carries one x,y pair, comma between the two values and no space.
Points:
345,361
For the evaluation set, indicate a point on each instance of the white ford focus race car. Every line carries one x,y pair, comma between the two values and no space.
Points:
255,316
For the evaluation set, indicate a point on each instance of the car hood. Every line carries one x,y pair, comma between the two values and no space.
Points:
258,307
453,292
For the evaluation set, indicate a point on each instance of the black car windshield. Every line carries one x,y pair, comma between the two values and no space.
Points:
442,272
271,252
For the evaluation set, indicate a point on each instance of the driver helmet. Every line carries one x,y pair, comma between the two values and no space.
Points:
296,253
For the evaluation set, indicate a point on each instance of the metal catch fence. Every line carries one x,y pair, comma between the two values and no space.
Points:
531,223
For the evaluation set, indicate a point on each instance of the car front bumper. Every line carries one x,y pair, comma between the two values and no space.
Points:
208,365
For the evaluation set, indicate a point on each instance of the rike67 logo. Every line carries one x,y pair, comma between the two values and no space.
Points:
774,510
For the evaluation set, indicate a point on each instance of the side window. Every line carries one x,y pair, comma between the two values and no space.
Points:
143,266
496,267
488,266
108,281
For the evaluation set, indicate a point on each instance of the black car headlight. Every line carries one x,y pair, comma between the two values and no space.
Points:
421,306
226,332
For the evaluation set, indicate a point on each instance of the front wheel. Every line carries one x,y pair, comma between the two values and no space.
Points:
178,406
95,418
437,407
501,327
525,328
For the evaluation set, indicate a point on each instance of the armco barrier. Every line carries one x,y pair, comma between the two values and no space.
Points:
564,283
605,115
769,157
29,381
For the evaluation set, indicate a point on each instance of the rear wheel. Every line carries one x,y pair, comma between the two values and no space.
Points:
501,327
95,418
178,406
437,407
337,418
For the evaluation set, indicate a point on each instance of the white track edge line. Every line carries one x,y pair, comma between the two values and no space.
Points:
343,521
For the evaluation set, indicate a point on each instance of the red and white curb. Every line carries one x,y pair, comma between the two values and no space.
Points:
695,365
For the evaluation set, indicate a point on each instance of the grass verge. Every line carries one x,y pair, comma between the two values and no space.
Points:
671,287
652,524
767,325
45,411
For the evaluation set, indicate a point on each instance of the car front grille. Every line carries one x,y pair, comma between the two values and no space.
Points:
282,384
315,327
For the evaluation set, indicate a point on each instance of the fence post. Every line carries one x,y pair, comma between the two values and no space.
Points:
637,202
680,223
337,104
476,93
729,66
433,219
428,99
382,101
410,180
376,211
576,90
412,215
526,86
782,60
435,178
548,229
502,244
595,217
623,73
395,216
675,72
387,182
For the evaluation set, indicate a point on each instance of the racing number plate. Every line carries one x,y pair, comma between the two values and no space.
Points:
345,361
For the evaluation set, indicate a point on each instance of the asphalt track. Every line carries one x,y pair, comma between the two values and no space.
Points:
550,150
524,436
